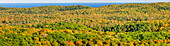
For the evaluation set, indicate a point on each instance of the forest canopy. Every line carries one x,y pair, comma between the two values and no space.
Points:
131,24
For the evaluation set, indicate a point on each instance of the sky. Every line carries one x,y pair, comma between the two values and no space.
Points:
79,1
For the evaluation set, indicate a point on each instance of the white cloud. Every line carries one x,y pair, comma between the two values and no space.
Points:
78,1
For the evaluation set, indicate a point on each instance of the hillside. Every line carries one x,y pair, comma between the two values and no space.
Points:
130,24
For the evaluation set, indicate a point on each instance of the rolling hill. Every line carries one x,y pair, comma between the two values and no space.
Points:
130,24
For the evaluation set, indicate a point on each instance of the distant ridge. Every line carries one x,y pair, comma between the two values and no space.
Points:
88,6
108,9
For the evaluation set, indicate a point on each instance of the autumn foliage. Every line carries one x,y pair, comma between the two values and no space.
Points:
130,24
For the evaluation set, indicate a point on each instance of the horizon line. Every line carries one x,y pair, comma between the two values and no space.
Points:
79,2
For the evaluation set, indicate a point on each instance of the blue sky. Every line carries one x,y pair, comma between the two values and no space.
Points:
79,1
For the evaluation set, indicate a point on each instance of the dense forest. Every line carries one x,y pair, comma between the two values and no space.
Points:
131,24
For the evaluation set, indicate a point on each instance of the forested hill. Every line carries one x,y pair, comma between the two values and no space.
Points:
115,12
130,24
129,7
45,9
